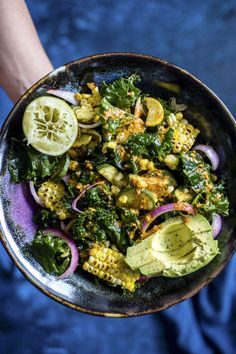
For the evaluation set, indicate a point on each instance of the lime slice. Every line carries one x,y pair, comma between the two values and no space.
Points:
50,125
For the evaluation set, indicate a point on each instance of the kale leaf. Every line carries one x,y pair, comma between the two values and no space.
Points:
26,163
166,145
147,144
45,218
51,252
122,93
196,171
130,222
99,225
214,201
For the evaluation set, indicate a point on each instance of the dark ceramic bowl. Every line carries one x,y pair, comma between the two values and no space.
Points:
206,112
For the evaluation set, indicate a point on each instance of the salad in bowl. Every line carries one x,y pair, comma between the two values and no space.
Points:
125,189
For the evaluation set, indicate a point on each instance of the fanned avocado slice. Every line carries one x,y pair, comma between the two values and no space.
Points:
181,246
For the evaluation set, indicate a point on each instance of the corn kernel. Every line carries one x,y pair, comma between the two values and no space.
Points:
179,115
112,269
123,199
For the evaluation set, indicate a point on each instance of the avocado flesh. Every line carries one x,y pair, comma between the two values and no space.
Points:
181,246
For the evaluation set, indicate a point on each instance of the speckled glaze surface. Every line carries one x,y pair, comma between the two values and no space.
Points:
217,127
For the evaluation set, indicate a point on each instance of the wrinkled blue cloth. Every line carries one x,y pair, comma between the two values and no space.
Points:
198,36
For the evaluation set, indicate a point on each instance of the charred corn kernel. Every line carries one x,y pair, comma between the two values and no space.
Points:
179,115
184,136
151,165
51,194
73,165
88,165
142,184
109,265
112,144
84,112
143,164
78,173
85,95
171,119
86,266
96,97
91,85
123,199
78,96
172,161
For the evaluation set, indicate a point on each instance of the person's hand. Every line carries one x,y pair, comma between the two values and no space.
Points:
23,60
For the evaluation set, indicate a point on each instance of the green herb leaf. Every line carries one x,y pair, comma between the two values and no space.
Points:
122,93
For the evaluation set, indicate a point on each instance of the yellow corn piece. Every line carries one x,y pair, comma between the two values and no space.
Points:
51,194
110,266
184,136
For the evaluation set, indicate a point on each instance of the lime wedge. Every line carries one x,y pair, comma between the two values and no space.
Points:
50,125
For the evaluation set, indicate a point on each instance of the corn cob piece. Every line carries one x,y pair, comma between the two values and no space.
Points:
110,266
184,136
51,194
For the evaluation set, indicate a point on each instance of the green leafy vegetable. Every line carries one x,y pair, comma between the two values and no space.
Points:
213,202
146,144
167,107
130,222
45,218
196,171
166,145
99,225
51,252
25,163
122,93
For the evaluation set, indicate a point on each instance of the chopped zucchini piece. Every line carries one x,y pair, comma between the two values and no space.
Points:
112,174
155,112
135,198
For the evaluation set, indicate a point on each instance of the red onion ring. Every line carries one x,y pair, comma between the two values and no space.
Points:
66,178
143,279
216,225
90,126
66,95
73,205
210,153
150,217
73,248
34,194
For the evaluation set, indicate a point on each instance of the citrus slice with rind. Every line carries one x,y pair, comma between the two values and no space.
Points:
50,125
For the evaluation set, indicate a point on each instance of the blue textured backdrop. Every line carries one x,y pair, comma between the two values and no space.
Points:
198,36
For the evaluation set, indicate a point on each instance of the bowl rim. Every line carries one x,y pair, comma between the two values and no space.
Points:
3,237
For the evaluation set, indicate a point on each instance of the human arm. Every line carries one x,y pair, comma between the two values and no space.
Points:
23,60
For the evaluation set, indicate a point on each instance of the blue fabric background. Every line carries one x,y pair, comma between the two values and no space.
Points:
199,36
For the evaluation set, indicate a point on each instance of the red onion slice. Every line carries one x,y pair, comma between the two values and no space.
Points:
73,205
150,217
66,95
216,224
90,126
34,194
143,279
73,248
210,153
66,178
